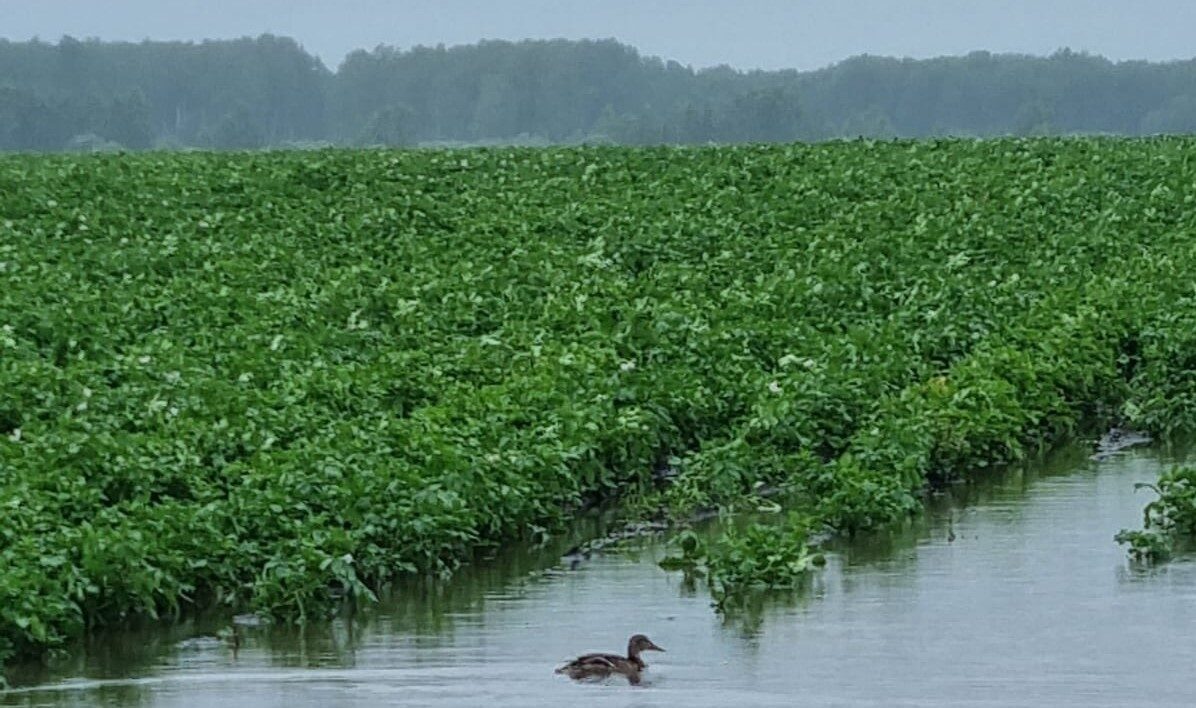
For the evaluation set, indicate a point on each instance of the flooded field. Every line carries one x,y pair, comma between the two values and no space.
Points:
1008,592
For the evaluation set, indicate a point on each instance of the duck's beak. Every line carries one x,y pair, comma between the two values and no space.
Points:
653,647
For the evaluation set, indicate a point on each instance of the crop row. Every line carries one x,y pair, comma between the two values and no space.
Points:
270,380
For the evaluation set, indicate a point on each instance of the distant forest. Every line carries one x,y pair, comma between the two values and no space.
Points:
268,91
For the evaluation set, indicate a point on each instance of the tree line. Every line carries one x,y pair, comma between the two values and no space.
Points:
268,91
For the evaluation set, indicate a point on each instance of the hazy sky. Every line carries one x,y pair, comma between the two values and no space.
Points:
803,34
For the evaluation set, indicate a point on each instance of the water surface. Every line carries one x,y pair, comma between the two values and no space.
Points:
1031,604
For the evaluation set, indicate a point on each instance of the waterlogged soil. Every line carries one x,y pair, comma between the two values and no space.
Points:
1009,592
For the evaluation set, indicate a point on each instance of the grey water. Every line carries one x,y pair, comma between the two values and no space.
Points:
1009,591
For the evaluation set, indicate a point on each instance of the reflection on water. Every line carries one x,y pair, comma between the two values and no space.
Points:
1008,592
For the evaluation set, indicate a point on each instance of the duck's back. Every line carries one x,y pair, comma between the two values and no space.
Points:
600,666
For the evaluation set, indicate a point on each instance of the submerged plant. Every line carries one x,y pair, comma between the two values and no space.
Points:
1146,546
756,557
1168,522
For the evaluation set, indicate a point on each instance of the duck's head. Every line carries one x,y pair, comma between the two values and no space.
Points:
639,643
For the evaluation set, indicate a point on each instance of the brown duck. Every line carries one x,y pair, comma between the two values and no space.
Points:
596,666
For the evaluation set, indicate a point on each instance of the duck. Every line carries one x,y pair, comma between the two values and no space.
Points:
599,666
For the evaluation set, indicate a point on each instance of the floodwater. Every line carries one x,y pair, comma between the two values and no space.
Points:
1030,604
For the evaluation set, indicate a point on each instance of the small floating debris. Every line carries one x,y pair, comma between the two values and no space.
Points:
203,643
1117,440
575,555
250,619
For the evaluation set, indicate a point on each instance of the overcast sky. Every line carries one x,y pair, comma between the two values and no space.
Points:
803,34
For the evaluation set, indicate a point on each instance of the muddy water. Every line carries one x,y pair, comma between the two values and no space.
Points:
1030,604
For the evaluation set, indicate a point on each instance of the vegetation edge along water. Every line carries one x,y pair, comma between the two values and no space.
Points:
275,380
1169,521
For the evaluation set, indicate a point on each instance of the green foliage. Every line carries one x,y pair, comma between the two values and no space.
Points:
1146,546
275,381
1168,521
756,557
1165,390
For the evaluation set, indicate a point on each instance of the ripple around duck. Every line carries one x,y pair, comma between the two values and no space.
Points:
1031,604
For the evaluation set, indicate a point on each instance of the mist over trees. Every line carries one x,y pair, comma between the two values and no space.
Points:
268,91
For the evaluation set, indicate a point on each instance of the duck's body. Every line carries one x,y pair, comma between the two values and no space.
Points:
599,666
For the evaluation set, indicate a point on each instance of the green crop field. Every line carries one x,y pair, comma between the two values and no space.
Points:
271,380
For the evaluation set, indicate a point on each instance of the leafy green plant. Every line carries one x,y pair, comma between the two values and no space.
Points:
1146,546
756,557
1169,521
